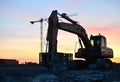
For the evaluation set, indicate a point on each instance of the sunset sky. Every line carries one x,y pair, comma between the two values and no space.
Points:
20,40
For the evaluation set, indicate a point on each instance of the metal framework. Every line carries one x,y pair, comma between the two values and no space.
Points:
41,32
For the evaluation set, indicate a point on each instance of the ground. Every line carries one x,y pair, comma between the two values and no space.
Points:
43,74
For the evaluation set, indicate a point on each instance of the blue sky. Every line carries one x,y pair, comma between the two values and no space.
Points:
15,15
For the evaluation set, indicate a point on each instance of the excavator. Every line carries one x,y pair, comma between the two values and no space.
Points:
93,50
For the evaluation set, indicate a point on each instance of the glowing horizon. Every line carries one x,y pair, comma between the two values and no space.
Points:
20,40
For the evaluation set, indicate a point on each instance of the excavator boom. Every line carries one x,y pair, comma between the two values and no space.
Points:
74,28
78,30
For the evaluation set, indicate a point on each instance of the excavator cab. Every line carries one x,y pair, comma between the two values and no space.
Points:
97,49
99,43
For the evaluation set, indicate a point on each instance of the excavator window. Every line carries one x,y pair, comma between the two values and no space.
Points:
103,42
92,42
98,41
95,42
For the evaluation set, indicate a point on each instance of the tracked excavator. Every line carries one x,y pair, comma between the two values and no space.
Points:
93,50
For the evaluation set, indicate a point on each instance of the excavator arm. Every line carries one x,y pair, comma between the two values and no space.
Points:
72,27
78,30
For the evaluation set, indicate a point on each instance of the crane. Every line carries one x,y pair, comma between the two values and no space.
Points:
41,31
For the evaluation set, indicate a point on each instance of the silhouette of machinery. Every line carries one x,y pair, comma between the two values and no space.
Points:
93,50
